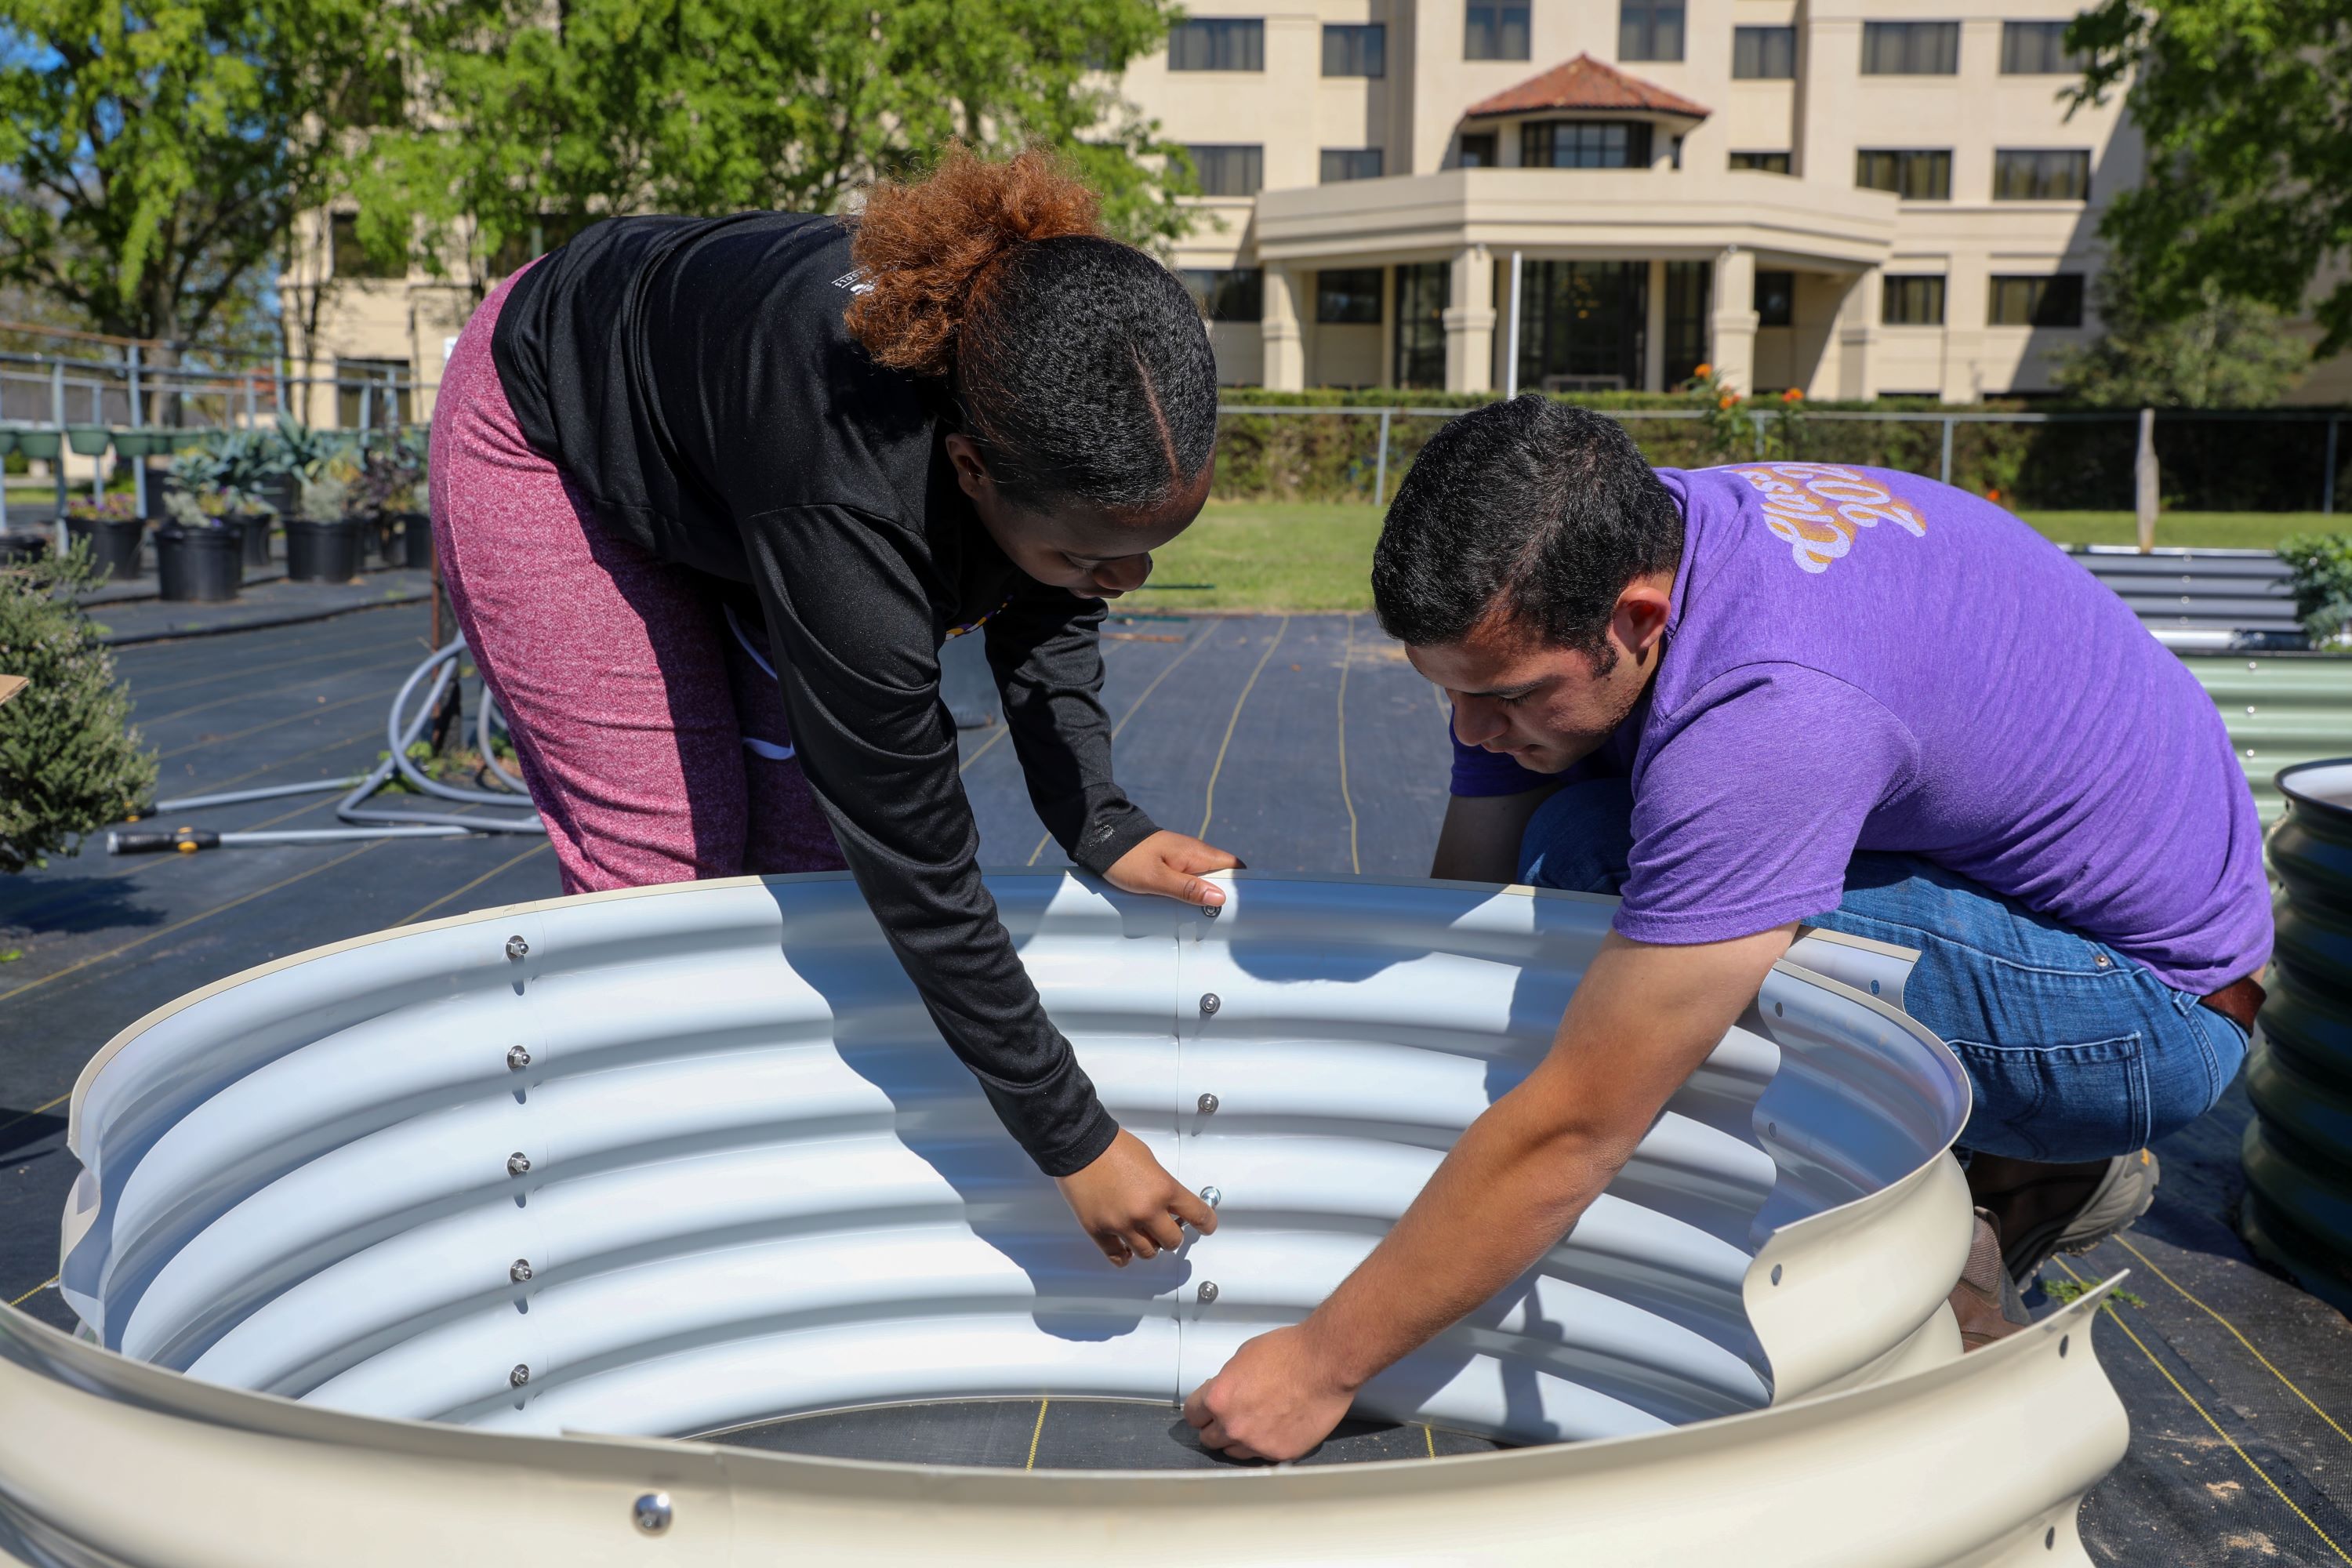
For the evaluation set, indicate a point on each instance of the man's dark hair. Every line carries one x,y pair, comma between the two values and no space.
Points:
1538,510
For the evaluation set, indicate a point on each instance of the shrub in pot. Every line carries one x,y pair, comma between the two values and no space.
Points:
200,551
221,482
110,526
322,545
389,491
69,762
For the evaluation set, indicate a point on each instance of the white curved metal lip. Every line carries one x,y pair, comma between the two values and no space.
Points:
1359,1025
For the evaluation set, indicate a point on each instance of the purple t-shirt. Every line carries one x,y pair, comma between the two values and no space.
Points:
1862,659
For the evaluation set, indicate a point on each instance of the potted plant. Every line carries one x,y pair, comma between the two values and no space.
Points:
200,551
322,545
388,493
110,526
283,458
244,466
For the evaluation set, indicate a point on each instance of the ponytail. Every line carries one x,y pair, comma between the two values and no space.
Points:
1080,365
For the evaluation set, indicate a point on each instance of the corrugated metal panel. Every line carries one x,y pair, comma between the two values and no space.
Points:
754,1181
2298,1151
2202,598
2282,710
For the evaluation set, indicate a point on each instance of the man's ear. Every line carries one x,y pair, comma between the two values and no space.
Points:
1642,609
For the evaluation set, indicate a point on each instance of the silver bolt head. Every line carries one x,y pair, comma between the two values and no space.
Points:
517,949
518,1057
1212,1196
1208,1291
518,1164
1208,1103
653,1512
1211,912
519,1270
1210,1003
519,1376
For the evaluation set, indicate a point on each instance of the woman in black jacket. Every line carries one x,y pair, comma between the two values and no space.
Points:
708,495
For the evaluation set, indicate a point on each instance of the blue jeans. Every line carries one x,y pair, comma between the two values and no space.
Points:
2074,1051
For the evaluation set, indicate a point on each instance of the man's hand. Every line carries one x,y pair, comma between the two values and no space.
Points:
1275,1400
1171,865
1642,1019
1129,1205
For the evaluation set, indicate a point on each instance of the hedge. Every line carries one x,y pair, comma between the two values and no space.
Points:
2208,463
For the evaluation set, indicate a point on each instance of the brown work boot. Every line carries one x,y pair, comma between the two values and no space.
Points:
2041,1208
1985,1301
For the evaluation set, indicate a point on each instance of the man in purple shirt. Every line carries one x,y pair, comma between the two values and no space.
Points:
1770,695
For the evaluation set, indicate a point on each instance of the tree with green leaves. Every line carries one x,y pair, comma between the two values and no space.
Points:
69,761
552,118
154,152
2219,352
2248,193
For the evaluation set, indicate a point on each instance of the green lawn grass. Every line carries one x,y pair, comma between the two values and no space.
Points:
1306,556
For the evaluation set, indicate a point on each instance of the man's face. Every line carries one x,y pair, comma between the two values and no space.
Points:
1545,706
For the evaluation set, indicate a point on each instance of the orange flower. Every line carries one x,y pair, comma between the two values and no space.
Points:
1703,372
1725,401
1793,395
1993,495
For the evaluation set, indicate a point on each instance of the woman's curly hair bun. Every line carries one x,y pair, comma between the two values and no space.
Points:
928,246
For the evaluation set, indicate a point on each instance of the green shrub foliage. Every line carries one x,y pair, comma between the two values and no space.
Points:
2322,565
69,762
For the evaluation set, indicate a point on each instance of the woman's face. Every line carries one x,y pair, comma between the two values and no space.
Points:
1091,551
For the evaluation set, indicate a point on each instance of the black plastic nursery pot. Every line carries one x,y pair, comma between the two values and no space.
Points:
113,543
199,565
408,539
322,552
256,527
22,549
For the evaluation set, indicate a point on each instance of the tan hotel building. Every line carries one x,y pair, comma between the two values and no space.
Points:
1852,197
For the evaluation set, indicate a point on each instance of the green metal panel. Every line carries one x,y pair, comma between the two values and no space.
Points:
2283,711
2298,1151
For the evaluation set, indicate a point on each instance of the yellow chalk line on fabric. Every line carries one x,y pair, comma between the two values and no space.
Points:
461,892
1036,1432
183,925
1355,861
34,1291
1430,1437
1209,807
2241,1338
2109,1306
1170,669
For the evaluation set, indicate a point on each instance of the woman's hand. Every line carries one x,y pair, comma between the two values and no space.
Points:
1171,864
1129,1205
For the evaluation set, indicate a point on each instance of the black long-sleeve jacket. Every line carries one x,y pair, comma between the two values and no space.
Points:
695,379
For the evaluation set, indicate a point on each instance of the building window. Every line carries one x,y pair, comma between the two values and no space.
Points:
1347,297
1914,302
1217,44
1495,31
1478,150
1649,30
1582,324
1776,299
362,401
2041,175
1226,169
1910,48
1763,54
1768,162
1688,284
2054,301
1228,294
1421,289
352,259
1585,144
2037,49
1355,49
1913,174
1350,164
